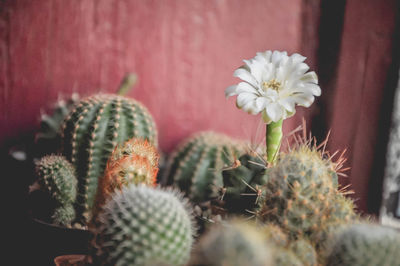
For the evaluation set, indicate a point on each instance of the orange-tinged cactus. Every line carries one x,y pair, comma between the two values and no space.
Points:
135,162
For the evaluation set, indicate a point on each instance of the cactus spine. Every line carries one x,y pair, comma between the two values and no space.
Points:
195,166
241,192
141,225
301,195
134,162
91,132
57,177
365,244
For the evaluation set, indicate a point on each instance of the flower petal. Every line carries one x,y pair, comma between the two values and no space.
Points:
313,88
230,91
274,111
245,87
265,117
245,75
303,99
261,103
310,77
244,98
288,103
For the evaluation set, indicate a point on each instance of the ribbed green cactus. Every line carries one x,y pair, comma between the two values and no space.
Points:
57,177
301,195
140,225
234,243
242,185
195,166
91,132
48,137
365,244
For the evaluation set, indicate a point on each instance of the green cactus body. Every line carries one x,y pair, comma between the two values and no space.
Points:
234,243
195,166
241,191
365,244
304,251
91,132
57,177
140,225
301,195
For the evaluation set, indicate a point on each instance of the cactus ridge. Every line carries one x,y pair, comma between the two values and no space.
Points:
194,167
90,133
140,225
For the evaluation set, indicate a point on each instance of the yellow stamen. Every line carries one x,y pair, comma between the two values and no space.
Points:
272,84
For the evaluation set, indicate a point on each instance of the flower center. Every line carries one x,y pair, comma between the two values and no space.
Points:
272,84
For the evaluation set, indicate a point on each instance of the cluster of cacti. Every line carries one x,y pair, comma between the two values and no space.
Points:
91,132
195,166
141,225
134,162
365,244
48,137
57,177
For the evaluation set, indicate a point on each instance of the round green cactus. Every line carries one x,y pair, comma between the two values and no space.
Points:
233,243
57,177
90,133
301,195
195,166
140,225
365,244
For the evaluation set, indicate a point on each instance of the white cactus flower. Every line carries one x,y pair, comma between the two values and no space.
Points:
273,84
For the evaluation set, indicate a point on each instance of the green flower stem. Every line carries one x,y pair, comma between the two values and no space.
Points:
273,137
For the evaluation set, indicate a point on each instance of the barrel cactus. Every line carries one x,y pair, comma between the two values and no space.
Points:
301,194
233,243
91,132
57,177
195,166
140,225
365,244
134,162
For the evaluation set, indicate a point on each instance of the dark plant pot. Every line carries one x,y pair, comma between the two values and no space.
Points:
51,241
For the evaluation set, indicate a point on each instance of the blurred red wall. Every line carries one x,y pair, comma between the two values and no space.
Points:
184,53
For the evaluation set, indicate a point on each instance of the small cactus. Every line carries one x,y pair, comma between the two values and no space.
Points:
140,225
57,177
195,166
233,243
91,132
301,195
134,162
365,244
